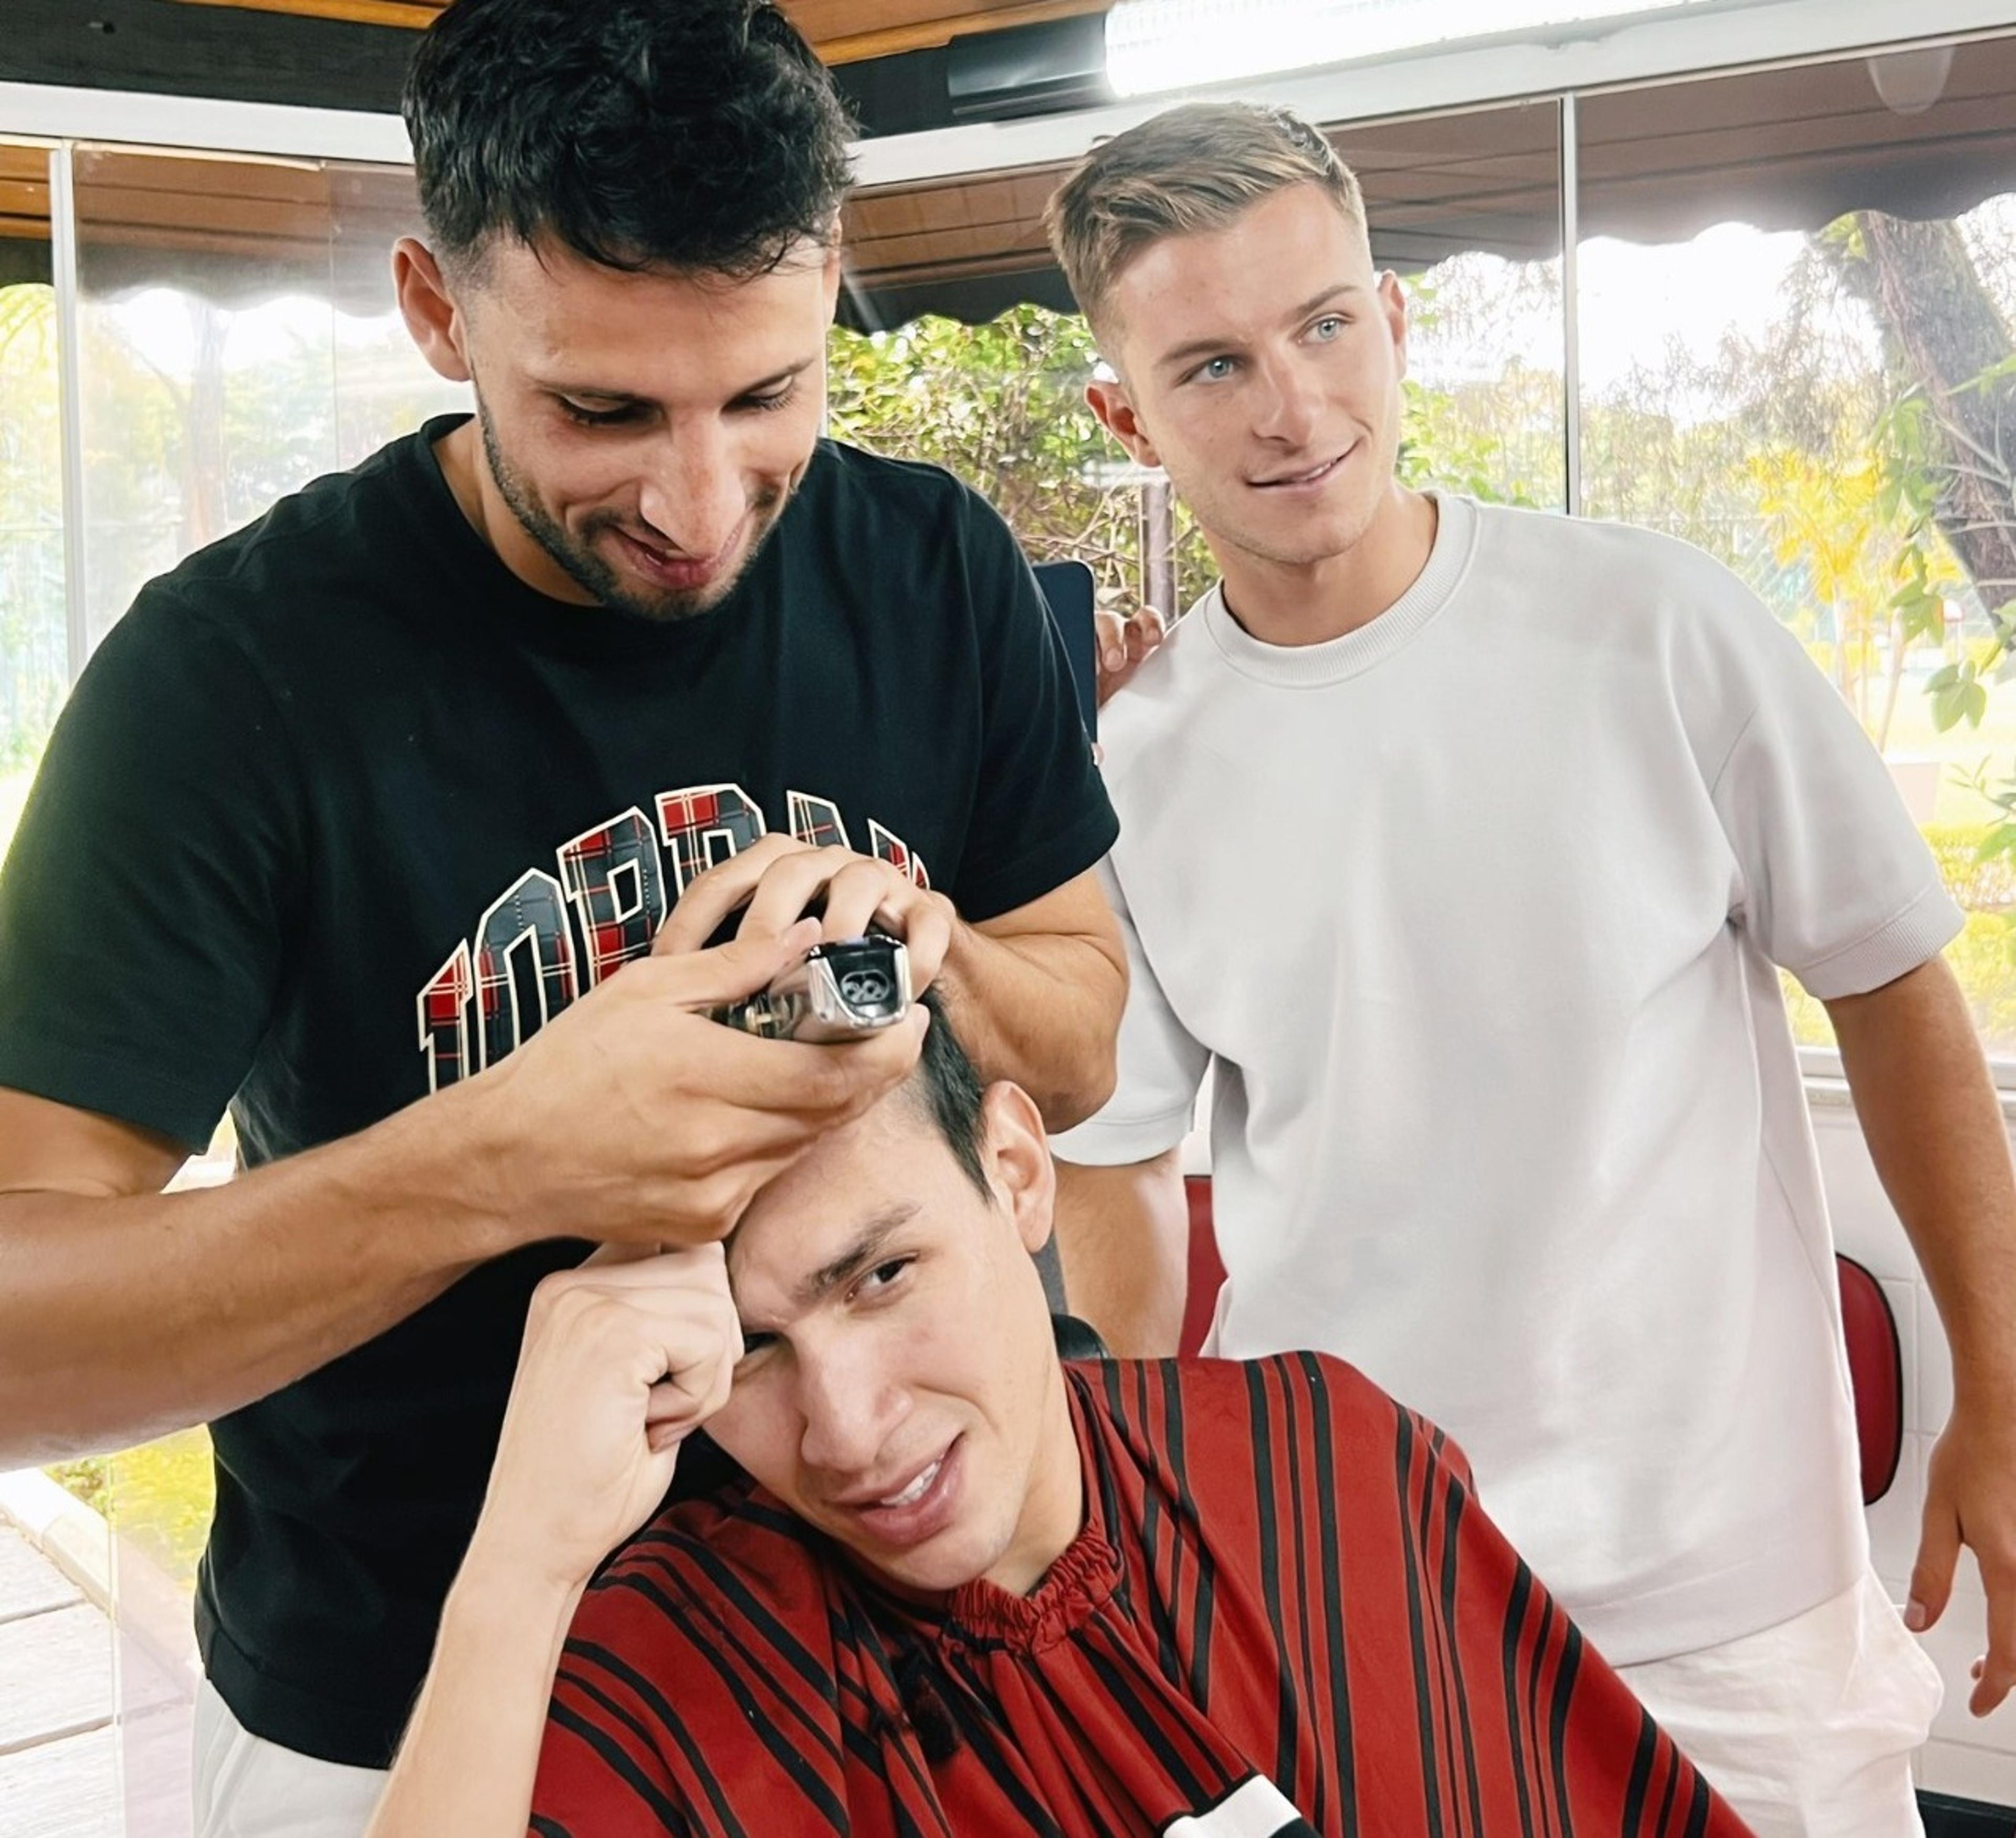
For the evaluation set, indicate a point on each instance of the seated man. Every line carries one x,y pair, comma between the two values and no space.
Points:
967,1587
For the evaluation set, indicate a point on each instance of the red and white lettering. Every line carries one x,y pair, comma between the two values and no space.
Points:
897,854
444,1006
703,825
524,963
612,874
815,821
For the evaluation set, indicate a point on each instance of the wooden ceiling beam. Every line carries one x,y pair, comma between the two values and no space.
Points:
842,31
926,34
414,13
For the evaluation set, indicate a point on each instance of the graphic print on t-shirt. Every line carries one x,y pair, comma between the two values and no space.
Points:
525,964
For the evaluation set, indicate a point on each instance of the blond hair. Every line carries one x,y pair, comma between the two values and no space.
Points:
1193,167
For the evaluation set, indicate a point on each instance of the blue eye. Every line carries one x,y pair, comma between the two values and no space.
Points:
1214,370
1328,327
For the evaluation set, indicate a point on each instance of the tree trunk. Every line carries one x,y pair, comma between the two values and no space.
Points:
1944,326
1894,677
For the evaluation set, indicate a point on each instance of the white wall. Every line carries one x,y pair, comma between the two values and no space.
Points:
1973,1759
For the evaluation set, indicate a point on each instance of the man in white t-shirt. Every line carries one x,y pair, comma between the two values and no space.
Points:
1461,843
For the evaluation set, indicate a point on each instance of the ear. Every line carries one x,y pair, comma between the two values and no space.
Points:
1393,309
831,277
1109,402
433,318
1016,1155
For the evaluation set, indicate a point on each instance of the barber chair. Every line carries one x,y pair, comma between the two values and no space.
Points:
1077,1339
1876,1375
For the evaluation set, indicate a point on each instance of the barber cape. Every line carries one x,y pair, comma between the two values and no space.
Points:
1285,1613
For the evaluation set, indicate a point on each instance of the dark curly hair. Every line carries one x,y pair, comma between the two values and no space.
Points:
701,136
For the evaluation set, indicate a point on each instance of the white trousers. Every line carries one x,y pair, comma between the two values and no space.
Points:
1806,1729
247,1787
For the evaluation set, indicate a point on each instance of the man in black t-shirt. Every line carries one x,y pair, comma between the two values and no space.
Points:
353,818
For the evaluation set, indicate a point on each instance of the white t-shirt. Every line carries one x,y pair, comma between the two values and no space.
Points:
1474,910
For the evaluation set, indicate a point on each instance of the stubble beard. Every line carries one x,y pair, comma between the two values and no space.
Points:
1359,520
583,565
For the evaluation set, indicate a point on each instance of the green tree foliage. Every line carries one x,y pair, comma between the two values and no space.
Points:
157,1499
1002,405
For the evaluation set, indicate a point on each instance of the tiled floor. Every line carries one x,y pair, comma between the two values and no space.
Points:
57,1774
60,1753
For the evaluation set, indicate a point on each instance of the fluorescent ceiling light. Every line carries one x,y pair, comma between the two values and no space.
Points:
1159,44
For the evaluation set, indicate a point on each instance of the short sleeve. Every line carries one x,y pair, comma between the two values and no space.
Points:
1837,884
1041,816
1160,1067
141,904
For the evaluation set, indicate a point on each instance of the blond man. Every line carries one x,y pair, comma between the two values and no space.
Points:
1461,845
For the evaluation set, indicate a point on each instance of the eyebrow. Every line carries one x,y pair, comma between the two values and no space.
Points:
858,1256
586,392
862,1254
1210,345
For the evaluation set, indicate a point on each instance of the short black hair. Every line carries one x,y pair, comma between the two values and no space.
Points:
949,1092
697,136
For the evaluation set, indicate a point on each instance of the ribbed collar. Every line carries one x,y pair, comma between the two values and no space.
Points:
1072,1591
1314,666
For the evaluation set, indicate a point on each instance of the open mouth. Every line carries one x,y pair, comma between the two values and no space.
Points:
917,1489
919,1509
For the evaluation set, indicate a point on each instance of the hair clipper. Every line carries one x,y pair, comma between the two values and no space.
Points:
837,991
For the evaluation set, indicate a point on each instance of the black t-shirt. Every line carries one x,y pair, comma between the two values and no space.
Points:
341,810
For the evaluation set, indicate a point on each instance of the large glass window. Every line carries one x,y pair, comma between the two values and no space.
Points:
35,669
1467,209
237,337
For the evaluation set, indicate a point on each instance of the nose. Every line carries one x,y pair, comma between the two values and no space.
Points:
849,1407
1287,401
691,492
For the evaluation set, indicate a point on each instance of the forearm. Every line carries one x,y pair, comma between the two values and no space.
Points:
124,1316
1041,1009
471,1754
1124,1236
1933,1122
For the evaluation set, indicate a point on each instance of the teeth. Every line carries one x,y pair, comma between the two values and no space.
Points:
917,1488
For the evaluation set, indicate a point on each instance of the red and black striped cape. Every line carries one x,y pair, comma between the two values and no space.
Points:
1286,1614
